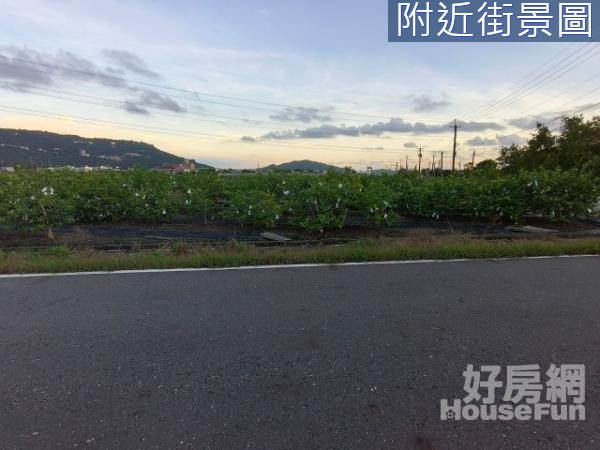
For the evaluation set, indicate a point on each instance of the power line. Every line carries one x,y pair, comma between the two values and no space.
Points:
533,75
115,105
186,133
575,87
190,95
120,105
556,72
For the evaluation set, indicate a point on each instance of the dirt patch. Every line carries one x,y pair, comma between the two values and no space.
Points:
142,235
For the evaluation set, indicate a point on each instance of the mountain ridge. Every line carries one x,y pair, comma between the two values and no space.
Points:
305,165
44,148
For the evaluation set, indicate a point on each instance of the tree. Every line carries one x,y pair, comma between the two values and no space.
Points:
577,147
487,165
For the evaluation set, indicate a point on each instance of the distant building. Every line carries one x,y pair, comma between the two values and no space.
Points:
7,169
186,167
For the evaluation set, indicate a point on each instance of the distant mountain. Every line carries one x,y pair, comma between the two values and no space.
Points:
200,166
301,166
40,148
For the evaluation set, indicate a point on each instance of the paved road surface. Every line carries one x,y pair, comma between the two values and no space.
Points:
329,357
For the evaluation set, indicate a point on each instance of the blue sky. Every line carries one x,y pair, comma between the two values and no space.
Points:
274,80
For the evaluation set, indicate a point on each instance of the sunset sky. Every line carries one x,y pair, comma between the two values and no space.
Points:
243,83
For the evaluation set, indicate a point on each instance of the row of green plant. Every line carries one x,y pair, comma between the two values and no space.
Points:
41,199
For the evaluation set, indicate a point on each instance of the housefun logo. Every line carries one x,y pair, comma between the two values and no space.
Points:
563,400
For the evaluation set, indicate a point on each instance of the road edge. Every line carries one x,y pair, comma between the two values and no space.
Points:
286,266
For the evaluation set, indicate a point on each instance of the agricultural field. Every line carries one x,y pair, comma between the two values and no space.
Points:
36,200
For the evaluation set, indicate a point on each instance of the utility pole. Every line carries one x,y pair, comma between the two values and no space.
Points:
406,162
473,161
456,127
433,164
442,163
420,158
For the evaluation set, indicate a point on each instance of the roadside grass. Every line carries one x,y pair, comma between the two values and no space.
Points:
182,255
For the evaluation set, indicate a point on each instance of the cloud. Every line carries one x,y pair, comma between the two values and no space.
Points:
478,141
508,140
135,109
247,139
301,114
153,99
23,69
425,103
19,76
377,129
530,122
34,68
410,145
131,62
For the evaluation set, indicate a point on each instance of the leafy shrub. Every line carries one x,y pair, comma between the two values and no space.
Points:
45,199
253,207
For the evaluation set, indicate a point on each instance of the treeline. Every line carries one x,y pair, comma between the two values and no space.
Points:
576,147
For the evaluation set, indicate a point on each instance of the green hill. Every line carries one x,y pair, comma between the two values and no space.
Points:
43,149
301,166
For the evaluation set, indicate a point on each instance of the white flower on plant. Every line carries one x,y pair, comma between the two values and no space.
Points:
164,212
276,216
189,192
48,191
286,193
385,216
32,197
340,185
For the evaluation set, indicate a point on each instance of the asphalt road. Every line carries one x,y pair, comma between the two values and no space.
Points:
330,357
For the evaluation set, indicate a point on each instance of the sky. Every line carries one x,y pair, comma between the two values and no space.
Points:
243,84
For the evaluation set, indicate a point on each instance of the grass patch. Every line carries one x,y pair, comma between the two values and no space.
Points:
62,259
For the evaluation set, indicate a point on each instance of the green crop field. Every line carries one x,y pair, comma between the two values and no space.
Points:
45,199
